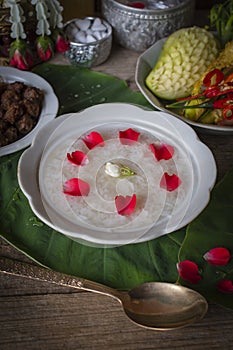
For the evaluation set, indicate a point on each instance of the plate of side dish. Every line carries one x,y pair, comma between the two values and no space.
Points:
145,64
28,102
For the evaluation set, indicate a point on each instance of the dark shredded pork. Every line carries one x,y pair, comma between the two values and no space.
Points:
19,111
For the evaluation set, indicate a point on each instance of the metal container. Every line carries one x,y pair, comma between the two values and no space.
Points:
137,29
89,54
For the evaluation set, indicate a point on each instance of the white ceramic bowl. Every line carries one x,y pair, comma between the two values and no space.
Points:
49,108
200,166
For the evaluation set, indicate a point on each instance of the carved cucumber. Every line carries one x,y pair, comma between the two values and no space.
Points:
184,58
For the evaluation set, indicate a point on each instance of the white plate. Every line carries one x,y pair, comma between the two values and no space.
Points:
49,109
159,124
145,64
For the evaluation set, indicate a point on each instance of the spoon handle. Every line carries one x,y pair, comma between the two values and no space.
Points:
35,272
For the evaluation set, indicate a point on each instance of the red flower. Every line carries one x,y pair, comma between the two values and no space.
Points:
162,151
20,55
61,44
76,187
217,256
128,137
125,205
170,182
93,139
44,48
78,158
225,286
188,270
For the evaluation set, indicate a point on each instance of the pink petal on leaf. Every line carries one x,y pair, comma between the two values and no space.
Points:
170,182
93,139
162,151
188,270
76,187
78,158
125,205
217,256
128,137
225,286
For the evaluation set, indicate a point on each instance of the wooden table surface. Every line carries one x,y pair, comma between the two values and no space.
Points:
36,315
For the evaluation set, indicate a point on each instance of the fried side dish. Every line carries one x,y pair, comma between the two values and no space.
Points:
20,109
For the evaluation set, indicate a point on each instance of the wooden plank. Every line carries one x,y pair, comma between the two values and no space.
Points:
89,321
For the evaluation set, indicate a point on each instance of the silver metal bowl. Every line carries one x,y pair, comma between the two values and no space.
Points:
138,29
89,54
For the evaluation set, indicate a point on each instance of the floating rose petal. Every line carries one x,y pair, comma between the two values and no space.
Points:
188,270
170,182
76,187
217,256
93,139
78,158
162,151
225,286
128,137
125,205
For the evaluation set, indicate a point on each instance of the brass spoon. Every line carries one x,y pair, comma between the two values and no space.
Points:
155,305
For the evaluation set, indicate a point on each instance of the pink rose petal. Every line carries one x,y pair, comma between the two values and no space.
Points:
188,270
128,137
76,187
162,151
125,205
78,158
225,286
93,139
170,182
217,256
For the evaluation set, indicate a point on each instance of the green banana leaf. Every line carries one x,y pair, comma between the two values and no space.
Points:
212,228
79,88
126,266
122,267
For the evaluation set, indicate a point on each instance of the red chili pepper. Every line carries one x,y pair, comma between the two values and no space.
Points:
222,103
229,78
228,112
212,91
214,77
215,91
215,96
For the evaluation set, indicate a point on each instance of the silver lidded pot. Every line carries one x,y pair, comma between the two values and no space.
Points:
139,28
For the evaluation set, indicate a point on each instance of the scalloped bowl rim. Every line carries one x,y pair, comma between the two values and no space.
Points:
202,161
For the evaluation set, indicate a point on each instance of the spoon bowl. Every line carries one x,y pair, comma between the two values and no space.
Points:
155,305
164,306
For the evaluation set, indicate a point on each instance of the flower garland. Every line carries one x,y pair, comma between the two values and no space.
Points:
50,37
